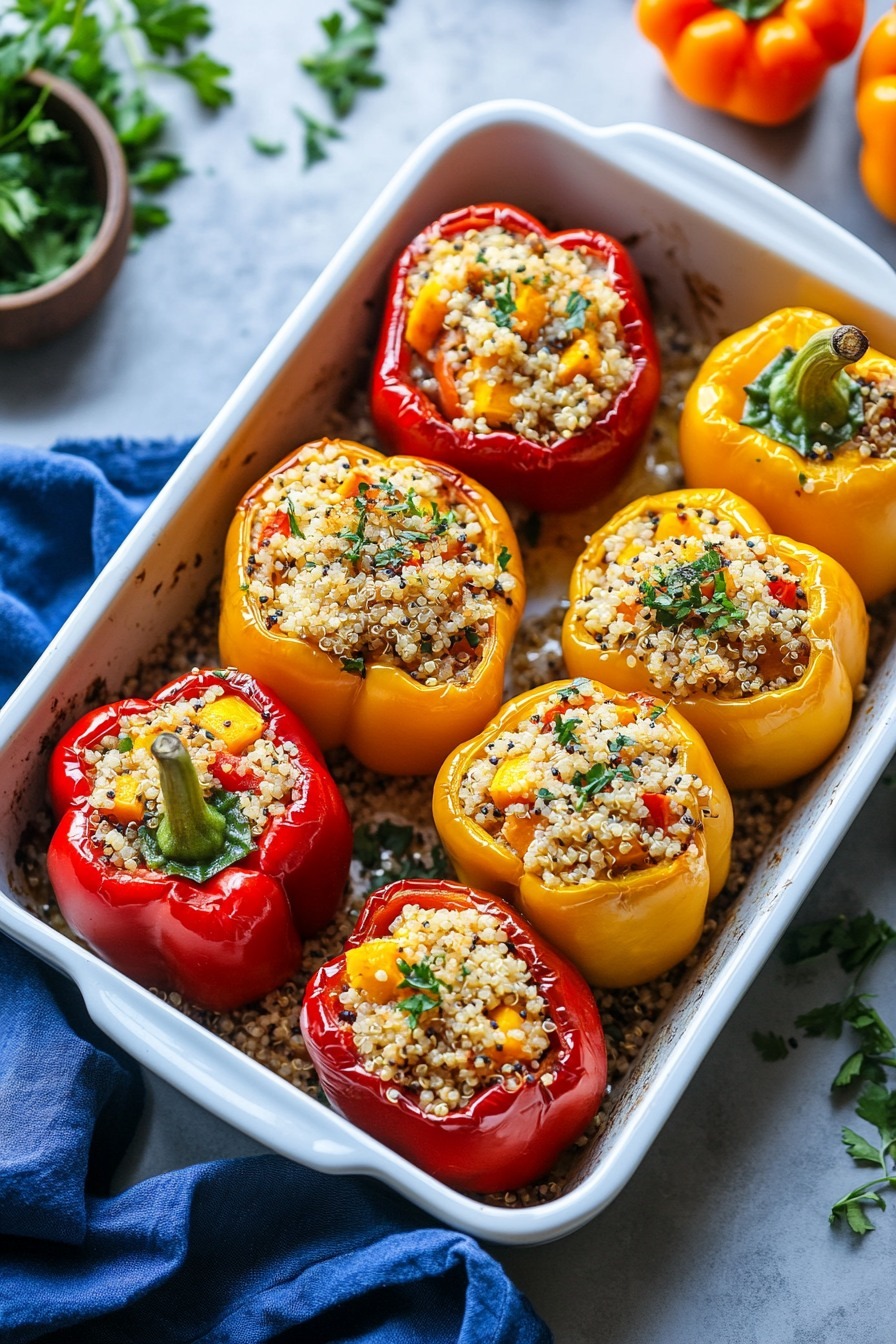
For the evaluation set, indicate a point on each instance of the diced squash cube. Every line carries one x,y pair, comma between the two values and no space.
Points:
493,401
427,313
519,832
581,357
531,311
127,805
512,783
349,489
233,721
372,969
629,552
510,1023
143,740
674,524
625,715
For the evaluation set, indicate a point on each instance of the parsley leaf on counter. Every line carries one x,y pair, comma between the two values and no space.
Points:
386,850
342,69
858,943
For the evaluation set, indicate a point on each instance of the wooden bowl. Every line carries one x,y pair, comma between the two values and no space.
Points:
37,314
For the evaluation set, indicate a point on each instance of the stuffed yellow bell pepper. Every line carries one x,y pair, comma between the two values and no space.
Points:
759,642
377,596
798,415
876,115
602,815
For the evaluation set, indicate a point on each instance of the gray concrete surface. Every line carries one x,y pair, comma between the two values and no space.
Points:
721,1237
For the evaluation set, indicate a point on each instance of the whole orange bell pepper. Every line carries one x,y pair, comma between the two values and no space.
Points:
781,417
637,917
392,721
760,60
758,740
876,114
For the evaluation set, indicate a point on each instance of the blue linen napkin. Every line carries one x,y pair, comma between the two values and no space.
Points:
233,1252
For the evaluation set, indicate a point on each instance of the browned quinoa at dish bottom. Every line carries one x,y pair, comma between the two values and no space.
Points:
395,836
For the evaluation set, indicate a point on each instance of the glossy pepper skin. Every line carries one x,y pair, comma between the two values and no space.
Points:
850,510
876,115
769,738
764,68
560,475
619,930
236,936
392,723
500,1139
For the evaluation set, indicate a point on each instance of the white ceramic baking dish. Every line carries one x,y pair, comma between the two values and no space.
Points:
721,247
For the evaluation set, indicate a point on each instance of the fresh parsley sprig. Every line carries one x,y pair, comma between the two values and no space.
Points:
677,596
342,70
505,302
858,944
421,978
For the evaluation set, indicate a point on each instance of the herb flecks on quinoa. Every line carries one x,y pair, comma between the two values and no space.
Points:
511,331
586,788
126,795
703,607
376,563
444,1007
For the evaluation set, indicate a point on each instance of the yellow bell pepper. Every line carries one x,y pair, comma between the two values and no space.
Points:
764,739
876,115
833,495
389,720
633,922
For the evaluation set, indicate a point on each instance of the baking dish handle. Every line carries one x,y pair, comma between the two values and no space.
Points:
749,204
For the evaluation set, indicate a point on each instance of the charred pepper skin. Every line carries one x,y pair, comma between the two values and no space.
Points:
619,930
499,1140
765,68
763,740
564,474
846,506
233,938
391,722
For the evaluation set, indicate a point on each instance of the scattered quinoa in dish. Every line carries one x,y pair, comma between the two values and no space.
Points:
877,436
376,561
703,607
443,1008
511,331
586,788
126,793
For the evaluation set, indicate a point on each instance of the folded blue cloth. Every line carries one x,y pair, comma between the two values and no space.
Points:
234,1252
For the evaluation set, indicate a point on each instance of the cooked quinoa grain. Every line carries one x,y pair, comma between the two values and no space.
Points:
126,793
703,607
586,788
510,330
376,562
479,1020
877,436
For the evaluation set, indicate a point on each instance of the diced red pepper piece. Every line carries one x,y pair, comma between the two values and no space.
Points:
784,592
662,813
230,773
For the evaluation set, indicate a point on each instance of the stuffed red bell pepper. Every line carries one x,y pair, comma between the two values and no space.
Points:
524,357
200,834
451,1032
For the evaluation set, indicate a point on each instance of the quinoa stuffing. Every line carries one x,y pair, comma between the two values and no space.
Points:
704,608
126,793
877,435
511,331
444,1008
376,562
586,789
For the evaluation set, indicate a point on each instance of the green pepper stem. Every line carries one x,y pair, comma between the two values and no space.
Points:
189,831
812,391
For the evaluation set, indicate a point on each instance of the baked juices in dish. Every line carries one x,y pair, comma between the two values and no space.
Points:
524,357
378,596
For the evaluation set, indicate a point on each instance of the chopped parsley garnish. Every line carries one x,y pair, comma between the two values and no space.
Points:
598,778
356,537
565,731
576,308
419,977
657,712
125,744
407,505
294,528
504,558
442,521
356,666
677,596
474,639
618,743
545,795
505,304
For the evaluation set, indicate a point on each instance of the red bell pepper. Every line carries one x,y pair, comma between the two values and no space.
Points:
234,936
500,1139
560,474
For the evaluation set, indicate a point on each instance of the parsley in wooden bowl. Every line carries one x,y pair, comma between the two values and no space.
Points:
65,212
